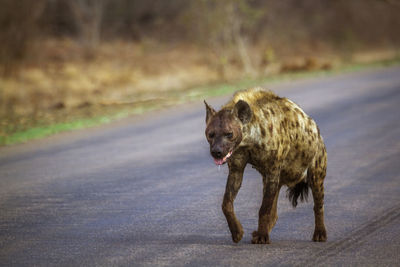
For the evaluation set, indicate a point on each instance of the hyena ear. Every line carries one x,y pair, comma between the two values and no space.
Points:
243,111
210,111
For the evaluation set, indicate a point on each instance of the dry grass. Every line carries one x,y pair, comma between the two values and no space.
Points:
66,83
68,78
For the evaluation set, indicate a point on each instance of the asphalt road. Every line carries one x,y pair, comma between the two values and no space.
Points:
144,190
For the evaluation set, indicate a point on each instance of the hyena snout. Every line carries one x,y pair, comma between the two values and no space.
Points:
219,148
220,153
217,152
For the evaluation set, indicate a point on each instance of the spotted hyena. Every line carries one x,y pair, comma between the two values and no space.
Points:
282,142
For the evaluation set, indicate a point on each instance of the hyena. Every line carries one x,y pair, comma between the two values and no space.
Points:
281,142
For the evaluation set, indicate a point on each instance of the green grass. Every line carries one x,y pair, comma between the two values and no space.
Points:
75,124
173,98
42,131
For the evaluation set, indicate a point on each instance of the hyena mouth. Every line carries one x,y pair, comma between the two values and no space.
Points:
223,160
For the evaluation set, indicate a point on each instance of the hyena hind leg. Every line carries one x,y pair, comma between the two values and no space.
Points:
316,179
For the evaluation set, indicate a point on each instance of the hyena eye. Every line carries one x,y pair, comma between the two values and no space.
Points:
229,135
211,135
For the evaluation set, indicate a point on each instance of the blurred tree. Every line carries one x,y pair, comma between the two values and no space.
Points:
225,25
138,19
88,16
232,29
18,30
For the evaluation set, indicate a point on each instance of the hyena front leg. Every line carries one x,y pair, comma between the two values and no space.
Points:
233,184
268,214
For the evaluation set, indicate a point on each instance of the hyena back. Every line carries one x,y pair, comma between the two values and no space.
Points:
278,139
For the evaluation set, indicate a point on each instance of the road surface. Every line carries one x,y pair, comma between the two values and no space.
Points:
145,192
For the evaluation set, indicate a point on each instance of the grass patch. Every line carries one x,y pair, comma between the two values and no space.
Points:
228,88
93,116
74,123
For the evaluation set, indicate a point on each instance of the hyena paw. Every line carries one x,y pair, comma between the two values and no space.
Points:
260,238
319,235
237,235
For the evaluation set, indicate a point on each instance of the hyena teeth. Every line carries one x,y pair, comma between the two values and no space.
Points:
227,156
222,161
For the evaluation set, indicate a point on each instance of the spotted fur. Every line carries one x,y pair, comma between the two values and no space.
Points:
282,142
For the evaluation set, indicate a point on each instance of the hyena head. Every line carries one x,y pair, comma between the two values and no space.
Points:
224,130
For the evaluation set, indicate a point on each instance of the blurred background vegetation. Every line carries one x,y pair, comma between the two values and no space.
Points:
63,60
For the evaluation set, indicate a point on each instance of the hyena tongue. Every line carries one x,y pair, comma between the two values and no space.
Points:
219,161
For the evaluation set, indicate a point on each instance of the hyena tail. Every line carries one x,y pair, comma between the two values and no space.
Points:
300,190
